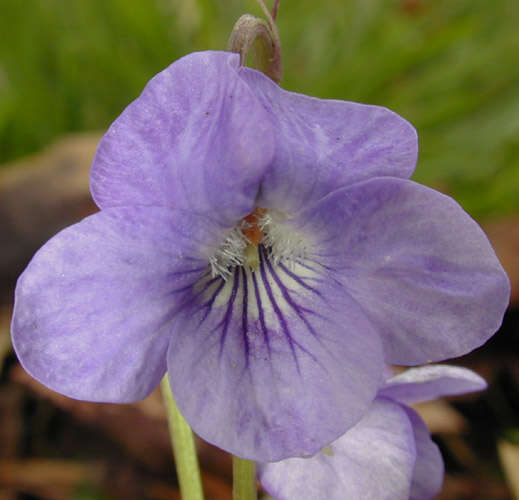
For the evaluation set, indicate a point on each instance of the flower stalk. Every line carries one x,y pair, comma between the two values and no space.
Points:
244,479
184,450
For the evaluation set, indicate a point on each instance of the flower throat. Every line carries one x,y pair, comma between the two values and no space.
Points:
261,228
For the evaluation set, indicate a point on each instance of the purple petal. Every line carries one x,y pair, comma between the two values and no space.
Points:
323,145
431,382
419,266
373,460
429,469
196,138
273,363
94,308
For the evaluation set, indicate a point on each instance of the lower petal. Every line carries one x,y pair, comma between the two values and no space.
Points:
373,460
273,363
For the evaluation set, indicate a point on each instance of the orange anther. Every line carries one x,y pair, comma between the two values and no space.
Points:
252,231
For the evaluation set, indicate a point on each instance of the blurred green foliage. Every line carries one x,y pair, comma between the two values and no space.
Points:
450,67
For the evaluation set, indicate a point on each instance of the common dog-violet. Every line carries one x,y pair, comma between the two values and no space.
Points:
388,455
265,248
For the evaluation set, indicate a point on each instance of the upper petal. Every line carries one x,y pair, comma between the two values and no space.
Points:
273,363
430,382
196,138
419,266
322,145
93,310
373,460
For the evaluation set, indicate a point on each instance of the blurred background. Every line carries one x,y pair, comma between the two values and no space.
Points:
67,69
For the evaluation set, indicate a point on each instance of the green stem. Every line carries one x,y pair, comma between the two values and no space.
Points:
184,449
244,479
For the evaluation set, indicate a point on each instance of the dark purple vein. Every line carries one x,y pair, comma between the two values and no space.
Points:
296,308
264,328
299,280
244,317
279,314
228,313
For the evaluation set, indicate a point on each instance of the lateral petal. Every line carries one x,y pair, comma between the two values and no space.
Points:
419,266
429,469
94,308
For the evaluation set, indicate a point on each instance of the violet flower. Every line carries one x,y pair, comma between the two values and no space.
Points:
266,249
388,455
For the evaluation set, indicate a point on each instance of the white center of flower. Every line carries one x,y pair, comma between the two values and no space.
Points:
267,228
